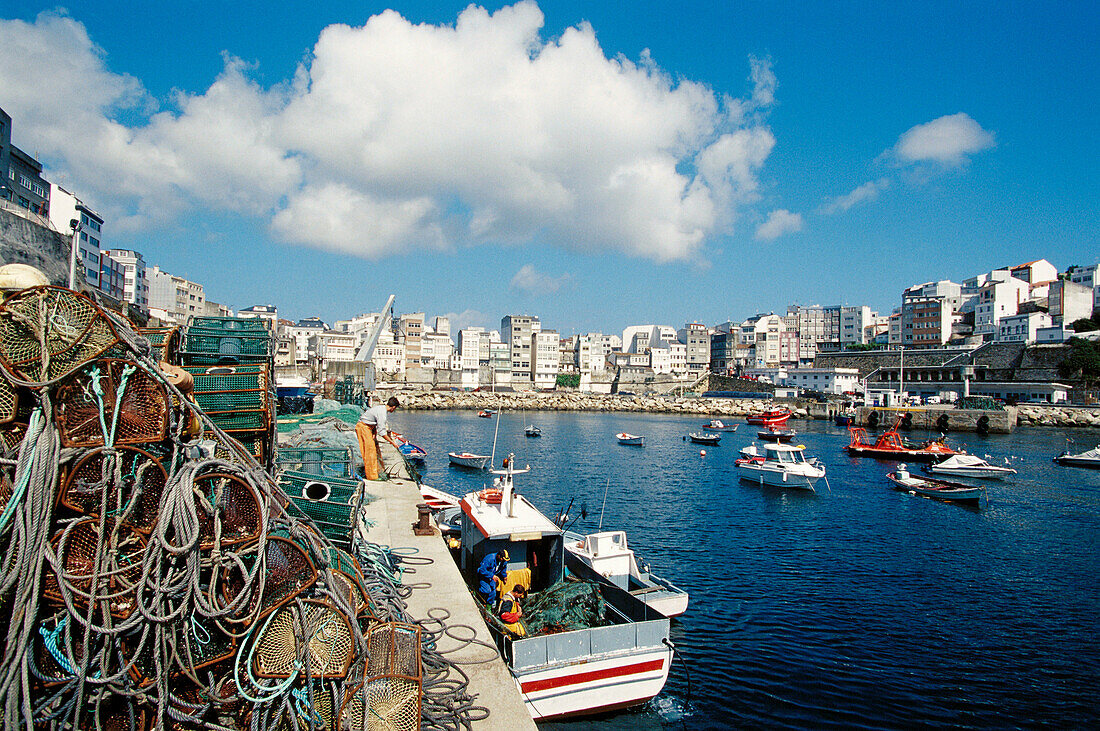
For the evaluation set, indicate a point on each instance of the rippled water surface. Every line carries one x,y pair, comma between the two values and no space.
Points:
858,607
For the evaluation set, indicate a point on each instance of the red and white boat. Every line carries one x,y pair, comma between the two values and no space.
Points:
623,663
771,417
891,445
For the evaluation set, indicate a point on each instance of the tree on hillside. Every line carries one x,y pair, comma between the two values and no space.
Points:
1087,324
1082,362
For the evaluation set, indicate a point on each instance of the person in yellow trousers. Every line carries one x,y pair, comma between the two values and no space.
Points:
510,611
370,425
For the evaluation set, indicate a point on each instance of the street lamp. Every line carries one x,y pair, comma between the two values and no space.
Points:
75,226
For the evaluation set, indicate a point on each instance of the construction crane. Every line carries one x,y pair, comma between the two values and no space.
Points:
366,350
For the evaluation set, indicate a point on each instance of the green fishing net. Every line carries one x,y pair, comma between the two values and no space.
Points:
564,607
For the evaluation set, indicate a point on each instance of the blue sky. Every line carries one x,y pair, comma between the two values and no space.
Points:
598,165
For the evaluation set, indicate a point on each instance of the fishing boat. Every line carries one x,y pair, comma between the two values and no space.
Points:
466,459
890,445
619,661
407,448
630,440
771,417
485,414
605,556
700,437
719,425
1091,458
844,419
955,492
437,499
967,465
775,435
532,431
779,465
291,386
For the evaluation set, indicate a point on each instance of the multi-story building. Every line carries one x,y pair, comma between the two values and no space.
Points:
333,345
696,340
216,309
469,352
516,330
66,208
21,180
436,350
135,286
112,277
1068,301
1023,327
305,334
500,363
723,351
823,380
268,313
442,326
1000,296
894,328
174,298
854,321
389,354
544,358
818,328
410,330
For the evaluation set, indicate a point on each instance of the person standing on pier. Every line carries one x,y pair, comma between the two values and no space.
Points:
372,423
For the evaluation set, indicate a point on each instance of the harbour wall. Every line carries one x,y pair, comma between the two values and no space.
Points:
923,418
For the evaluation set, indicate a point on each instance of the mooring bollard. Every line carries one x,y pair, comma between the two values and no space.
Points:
423,526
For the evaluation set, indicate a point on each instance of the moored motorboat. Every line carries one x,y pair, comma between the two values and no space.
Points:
955,492
890,445
844,419
607,557
700,437
779,465
719,425
771,417
1090,458
775,434
630,440
967,465
620,660
532,431
485,414
466,459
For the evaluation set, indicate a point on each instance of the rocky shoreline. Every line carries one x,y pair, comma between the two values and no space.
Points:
1027,414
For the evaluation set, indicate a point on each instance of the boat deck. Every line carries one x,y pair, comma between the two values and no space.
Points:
392,516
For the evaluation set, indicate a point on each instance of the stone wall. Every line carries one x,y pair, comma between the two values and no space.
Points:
23,241
1042,415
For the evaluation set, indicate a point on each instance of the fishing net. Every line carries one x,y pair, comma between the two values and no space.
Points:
9,401
111,400
564,607
163,342
228,509
132,479
100,568
390,698
288,573
47,333
328,643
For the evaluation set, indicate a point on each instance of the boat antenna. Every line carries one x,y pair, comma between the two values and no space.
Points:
604,501
496,429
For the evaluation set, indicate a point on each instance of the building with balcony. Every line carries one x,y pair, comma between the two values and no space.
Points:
135,285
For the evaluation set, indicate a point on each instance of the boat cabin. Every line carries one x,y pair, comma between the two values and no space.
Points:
608,555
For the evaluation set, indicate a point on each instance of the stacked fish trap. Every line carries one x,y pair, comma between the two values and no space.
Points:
321,482
148,583
349,390
231,360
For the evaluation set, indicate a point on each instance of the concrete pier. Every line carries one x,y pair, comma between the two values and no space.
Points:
936,419
392,515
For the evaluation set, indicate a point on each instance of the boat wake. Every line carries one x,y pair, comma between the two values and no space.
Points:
671,710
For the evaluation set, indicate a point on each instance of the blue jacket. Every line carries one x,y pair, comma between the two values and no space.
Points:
490,567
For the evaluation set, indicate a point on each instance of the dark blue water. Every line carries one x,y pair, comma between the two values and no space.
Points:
859,607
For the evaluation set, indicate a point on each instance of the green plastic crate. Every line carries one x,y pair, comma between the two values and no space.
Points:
229,324
234,345
340,490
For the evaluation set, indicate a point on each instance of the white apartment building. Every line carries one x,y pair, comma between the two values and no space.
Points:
436,350
65,208
637,338
305,334
268,313
1023,327
998,298
1068,301
173,298
516,331
824,380
333,345
389,355
854,321
469,355
135,288
545,358
696,339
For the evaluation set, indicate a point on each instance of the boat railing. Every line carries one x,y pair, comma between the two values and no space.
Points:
563,647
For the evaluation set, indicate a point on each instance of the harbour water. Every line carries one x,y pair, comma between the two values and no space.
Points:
856,607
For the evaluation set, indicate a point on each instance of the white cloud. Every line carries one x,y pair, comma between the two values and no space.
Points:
946,141
470,318
532,281
867,192
778,223
394,136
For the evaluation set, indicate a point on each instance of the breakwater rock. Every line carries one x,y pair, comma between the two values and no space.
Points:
1043,415
572,401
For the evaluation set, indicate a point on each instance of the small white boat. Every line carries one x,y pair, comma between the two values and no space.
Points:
466,459
606,557
779,465
532,431
953,492
967,465
631,440
1091,458
719,425
704,438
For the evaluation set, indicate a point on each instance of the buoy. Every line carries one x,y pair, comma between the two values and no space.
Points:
702,453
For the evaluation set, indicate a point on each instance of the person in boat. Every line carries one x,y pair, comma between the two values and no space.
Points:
491,573
372,423
510,610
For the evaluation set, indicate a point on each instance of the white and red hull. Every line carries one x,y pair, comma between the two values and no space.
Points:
437,499
771,419
594,686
